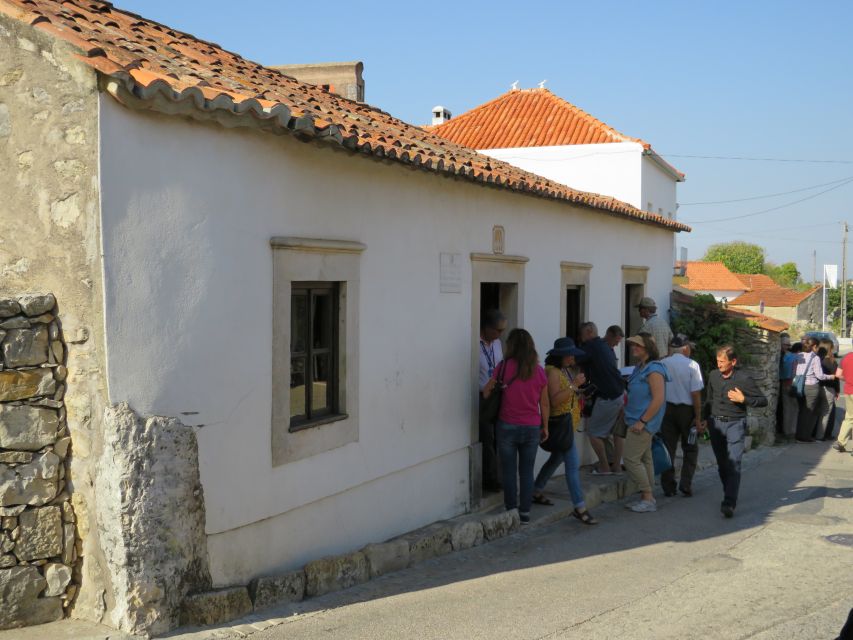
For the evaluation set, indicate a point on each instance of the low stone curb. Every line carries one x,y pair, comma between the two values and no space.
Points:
334,573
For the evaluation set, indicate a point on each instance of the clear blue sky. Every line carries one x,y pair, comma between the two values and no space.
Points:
768,79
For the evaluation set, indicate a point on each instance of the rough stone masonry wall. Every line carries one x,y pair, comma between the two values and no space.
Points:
39,569
49,242
764,348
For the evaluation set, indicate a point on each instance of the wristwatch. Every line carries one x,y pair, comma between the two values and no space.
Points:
645,423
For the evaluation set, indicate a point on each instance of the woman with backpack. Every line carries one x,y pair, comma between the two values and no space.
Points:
522,418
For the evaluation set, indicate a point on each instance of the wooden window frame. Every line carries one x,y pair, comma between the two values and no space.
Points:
332,412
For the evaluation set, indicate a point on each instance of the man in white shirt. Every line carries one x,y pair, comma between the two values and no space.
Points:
492,326
683,412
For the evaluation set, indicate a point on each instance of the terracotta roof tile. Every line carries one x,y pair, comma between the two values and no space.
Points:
531,118
711,276
150,65
756,281
774,297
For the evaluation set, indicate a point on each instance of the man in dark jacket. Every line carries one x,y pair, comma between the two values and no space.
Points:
730,391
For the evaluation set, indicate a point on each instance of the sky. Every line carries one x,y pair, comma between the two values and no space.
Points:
768,82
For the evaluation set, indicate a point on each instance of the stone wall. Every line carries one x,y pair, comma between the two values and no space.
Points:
50,241
39,567
763,348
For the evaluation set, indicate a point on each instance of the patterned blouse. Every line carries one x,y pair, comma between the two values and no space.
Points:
572,405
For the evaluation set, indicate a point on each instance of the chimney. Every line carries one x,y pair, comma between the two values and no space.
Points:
440,115
342,78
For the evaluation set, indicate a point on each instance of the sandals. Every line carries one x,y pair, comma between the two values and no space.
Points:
540,499
585,517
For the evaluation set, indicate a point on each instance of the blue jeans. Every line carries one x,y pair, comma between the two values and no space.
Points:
517,446
571,459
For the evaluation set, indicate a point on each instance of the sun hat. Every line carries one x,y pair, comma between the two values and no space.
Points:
565,347
647,303
637,340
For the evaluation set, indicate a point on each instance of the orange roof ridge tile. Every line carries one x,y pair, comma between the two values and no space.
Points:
145,62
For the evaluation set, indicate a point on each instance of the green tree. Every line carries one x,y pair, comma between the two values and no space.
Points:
785,274
740,257
705,322
833,306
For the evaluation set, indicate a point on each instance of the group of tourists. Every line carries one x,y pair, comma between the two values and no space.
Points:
810,378
622,411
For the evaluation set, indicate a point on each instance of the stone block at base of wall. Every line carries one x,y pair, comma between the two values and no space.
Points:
335,573
269,591
501,524
215,607
387,557
429,542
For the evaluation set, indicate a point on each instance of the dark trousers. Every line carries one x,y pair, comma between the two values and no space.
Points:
517,445
675,428
491,466
727,441
808,416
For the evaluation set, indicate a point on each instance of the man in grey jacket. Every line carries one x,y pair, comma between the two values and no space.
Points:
730,391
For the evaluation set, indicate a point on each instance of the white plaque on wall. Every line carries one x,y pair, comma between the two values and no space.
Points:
498,239
451,273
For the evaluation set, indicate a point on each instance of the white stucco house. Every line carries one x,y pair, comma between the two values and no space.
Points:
296,276
540,132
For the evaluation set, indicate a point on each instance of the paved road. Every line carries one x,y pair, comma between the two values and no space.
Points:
683,572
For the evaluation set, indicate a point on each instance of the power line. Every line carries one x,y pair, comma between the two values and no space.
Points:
769,195
805,160
781,206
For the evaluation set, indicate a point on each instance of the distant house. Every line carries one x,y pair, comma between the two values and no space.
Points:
538,131
783,304
712,278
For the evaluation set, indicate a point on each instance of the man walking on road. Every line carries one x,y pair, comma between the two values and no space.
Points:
730,392
683,412
654,324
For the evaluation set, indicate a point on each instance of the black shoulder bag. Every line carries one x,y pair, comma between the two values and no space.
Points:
491,406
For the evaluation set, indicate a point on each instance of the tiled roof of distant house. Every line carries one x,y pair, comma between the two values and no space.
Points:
532,118
711,276
774,297
756,281
151,66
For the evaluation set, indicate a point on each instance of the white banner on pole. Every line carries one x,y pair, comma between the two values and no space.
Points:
830,275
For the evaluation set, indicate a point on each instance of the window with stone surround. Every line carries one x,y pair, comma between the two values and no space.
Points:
315,346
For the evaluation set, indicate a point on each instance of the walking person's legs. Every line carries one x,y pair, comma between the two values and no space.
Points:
599,426
790,411
507,435
690,454
821,413
671,434
551,465
528,445
846,431
735,439
637,445
829,429
573,477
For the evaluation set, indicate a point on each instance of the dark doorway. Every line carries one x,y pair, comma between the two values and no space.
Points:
574,311
633,321
503,296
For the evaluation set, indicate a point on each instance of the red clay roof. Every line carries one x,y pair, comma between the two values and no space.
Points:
531,118
774,297
711,276
147,64
756,281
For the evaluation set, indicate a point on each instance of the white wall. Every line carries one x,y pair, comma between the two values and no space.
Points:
611,169
188,210
659,189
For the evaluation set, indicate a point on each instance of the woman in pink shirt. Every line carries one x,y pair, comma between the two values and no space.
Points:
522,419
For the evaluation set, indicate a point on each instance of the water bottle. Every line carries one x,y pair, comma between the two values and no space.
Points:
691,437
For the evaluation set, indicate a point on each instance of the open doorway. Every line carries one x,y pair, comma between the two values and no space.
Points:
503,296
575,311
633,294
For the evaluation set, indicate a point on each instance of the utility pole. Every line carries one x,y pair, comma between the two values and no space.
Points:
844,282
814,266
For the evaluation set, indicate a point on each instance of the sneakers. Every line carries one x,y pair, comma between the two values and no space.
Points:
644,506
839,448
524,517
